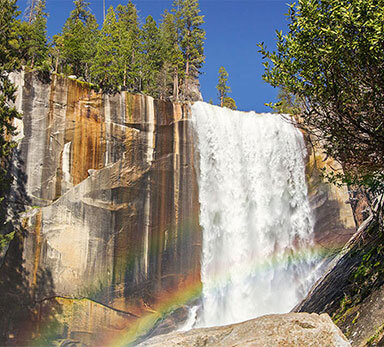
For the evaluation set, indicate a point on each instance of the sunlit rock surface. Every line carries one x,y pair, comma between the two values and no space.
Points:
293,329
112,239
119,219
334,219
352,289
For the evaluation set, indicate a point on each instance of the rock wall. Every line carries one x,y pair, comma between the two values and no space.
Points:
292,329
334,217
111,238
352,289
113,215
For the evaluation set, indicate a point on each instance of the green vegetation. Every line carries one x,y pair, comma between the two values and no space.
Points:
230,103
105,67
5,239
172,66
190,37
222,87
160,61
223,90
8,62
332,61
152,62
78,41
287,103
366,276
32,45
129,47
329,68
376,338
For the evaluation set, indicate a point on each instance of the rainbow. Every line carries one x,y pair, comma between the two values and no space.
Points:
185,293
192,290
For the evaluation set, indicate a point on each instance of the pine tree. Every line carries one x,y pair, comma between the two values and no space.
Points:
172,57
129,43
8,62
151,54
288,103
222,87
23,30
32,36
105,69
30,10
39,47
230,103
191,37
80,37
57,52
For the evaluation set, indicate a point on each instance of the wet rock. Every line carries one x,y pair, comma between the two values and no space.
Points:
293,329
113,219
333,215
114,206
352,289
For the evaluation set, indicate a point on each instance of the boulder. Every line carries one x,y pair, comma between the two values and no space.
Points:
292,329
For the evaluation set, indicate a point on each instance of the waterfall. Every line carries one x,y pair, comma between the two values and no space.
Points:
257,226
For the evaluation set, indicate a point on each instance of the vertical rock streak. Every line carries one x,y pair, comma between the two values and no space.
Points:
66,163
107,119
150,151
114,178
176,170
257,253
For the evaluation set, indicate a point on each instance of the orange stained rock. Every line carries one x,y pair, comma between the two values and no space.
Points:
134,107
85,129
37,250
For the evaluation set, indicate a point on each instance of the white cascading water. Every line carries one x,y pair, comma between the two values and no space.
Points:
257,226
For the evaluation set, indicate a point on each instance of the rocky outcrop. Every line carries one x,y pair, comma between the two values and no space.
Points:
111,240
334,218
352,289
326,294
293,329
113,218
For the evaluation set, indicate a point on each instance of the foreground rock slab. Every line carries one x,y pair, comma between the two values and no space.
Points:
292,329
351,291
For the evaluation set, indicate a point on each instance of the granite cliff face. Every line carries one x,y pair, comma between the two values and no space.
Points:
111,239
292,329
113,215
334,218
352,289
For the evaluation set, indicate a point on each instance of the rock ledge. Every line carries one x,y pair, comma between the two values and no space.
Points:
291,329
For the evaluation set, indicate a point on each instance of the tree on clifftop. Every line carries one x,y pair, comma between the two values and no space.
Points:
190,36
151,56
223,90
79,39
8,63
222,87
230,103
104,70
32,37
129,46
332,59
173,61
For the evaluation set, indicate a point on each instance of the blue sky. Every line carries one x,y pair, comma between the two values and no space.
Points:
233,28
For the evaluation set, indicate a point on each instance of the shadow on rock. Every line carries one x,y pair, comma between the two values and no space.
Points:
25,319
